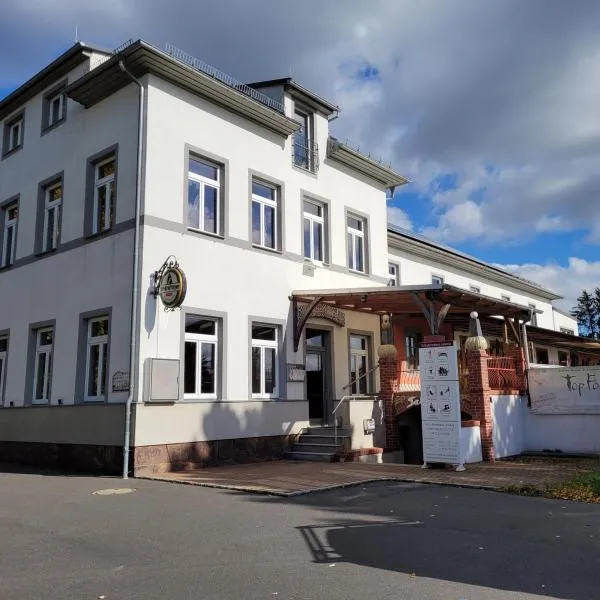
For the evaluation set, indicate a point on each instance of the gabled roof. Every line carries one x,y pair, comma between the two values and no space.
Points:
420,245
59,67
287,83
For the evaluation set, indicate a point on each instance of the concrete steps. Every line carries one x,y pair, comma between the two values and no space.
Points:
320,444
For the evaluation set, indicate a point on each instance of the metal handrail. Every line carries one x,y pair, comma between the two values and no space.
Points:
306,155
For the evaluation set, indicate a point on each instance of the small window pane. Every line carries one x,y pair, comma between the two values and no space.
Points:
189,369
264,332
210,209
318,240
358,342
3,345
259,189
50,230
307,248
93,374
269,226
313,209
203,169
270,370
99,328
193,203
360,261
12,212
355,223
106,169
350,251
255,223
45,338
194,324
208,369
256,370
55,109
314,339
104,361
40,377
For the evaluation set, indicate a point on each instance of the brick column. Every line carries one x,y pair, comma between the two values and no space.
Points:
479,396
387,376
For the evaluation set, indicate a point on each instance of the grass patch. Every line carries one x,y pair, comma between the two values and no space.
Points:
584,488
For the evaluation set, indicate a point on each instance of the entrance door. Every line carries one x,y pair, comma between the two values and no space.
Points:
318,375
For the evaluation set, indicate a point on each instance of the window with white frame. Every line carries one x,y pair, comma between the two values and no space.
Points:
355,230
104,195
3,357
437,280
55,108
359,364
52,216
14,135
567,331
475,289
96,359
264,361
394,274
505,298
314,231
200,357
204,188
9,237
264,215
42,371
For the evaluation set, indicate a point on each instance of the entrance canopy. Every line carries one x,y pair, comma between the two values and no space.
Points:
434,302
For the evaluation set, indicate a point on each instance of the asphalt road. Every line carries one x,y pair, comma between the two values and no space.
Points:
386,540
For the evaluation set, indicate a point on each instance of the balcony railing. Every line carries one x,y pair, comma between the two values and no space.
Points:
502,373
305,155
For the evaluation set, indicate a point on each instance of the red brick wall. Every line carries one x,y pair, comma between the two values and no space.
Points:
387,377
479,400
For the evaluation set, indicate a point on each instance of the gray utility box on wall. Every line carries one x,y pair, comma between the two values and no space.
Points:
162,380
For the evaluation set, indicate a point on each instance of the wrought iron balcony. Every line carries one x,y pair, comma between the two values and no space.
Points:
305,155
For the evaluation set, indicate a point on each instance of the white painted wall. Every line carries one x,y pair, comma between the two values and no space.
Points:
86,277
470,444
418,270
562,320
509,415
228,275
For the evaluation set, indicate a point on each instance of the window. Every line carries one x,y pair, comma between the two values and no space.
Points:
475,289
200,357
43,365
355,229
9,237
563,358
264,361
264,215
104,195
314,231
304,152
55,109
52,216
505,298
412,343
204,190
567,330
541,355
3,356
437,280
534,320
96,359
13,134
394,273
359,364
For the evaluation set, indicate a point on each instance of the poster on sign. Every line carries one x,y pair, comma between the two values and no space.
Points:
440,402
565,390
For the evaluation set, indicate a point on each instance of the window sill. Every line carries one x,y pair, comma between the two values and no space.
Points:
6,267
98,234
200,399
355,272
11,152
46,252
304,170
50,128
40,403
209,234
267,249
101,400
315,263
263,397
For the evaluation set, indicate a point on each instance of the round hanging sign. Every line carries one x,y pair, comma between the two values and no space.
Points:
172,287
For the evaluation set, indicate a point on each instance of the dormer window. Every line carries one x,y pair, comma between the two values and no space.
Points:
304,151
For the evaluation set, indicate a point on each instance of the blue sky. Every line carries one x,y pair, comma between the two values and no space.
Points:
489,108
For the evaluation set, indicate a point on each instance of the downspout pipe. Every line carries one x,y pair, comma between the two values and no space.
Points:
136,275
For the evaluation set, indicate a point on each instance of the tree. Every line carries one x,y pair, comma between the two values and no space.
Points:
587,313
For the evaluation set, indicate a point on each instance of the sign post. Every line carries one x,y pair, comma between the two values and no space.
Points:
440,404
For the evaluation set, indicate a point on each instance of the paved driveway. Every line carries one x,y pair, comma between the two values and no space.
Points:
382,540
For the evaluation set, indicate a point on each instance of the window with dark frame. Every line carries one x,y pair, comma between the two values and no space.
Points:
97,359
42,371
200,368
412,342
3,357
54,106
53,197
13,134
541,356
104,195
9,235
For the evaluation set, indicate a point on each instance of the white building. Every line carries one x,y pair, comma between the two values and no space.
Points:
246,188
113,164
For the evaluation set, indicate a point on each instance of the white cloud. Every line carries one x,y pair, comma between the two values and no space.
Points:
568,280
399,218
